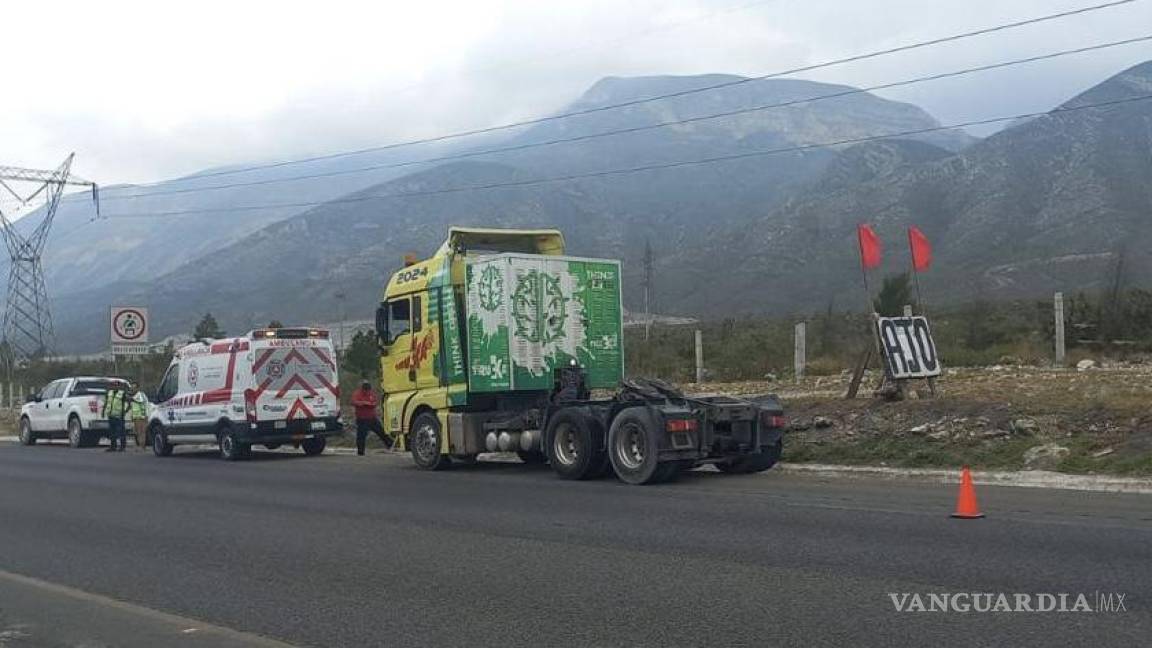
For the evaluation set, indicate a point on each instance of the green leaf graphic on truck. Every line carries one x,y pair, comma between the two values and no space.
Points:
538,308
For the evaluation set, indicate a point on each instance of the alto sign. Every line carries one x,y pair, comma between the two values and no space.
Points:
907,346
129,330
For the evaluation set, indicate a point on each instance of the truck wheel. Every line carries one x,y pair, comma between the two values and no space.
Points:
231,449
632,447
27,436
75,433
160,445
753,463
314,446
425,442
574,445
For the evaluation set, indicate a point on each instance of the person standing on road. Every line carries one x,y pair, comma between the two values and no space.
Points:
139,414
115,409
365,402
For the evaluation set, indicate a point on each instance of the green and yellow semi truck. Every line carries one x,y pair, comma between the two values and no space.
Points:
496,343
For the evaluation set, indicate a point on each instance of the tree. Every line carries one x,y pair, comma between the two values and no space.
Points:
363,355
208,328
894,294
275,324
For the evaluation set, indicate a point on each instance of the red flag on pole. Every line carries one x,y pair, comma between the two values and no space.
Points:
921,249
869,247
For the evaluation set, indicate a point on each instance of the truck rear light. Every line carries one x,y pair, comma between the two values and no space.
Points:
774,421
681,425
93,405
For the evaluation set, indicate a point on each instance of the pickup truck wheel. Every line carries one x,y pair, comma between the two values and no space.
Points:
27,436
160,445
753,463
574,445
230,448
632,447
425,442
75,433
314,446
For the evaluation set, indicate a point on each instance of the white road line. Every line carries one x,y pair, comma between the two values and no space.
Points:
189,625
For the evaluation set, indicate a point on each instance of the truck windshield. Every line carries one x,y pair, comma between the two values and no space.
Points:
93,387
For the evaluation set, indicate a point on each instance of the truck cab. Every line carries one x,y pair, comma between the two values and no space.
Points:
421,327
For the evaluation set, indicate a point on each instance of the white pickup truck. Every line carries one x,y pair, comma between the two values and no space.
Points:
69,408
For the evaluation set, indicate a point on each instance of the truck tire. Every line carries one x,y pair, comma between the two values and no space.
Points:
574,445
314,446
75,433
632,447
425,442
160,445
231,449
753,463
27,436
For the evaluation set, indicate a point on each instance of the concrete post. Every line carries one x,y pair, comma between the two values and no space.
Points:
1058,310
907,310
699,356
801,351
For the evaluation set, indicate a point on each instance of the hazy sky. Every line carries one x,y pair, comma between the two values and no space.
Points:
144,91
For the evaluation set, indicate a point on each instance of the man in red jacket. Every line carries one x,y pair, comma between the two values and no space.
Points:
365,402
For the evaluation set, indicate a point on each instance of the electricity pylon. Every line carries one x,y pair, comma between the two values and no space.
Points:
27,327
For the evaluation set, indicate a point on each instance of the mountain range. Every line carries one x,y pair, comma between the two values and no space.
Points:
1048,203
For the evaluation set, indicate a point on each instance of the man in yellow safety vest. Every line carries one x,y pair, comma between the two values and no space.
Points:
115,409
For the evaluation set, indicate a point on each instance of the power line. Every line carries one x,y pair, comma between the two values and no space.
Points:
661,97
636,129
649,167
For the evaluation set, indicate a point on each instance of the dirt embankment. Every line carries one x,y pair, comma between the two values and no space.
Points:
1005,417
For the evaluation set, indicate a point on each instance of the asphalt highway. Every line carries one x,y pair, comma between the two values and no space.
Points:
128,549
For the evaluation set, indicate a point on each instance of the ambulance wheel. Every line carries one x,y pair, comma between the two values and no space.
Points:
314,446
230,448
160,445
425,442
27,436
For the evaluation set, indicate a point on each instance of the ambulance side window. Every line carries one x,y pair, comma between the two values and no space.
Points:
399,319
168,385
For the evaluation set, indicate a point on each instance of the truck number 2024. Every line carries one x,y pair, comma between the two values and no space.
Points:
411,275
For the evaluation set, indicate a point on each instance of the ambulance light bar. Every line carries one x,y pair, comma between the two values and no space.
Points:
290,333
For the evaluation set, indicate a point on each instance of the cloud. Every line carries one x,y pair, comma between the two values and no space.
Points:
148,90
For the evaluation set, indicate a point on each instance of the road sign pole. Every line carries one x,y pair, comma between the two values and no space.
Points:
699,356
1058,311
800,351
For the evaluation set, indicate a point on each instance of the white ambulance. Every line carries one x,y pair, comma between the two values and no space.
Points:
270,387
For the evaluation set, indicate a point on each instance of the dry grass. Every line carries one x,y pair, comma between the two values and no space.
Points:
986,417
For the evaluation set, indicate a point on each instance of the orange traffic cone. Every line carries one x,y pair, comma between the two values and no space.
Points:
966,506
